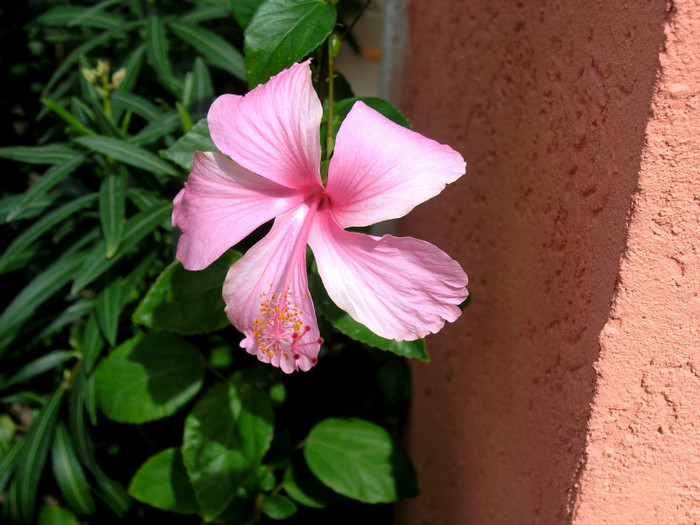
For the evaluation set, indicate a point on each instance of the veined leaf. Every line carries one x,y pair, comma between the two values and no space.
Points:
136,229
157,50
181,152
74,15
43,225
30,464
51,154
66,115
139,105
108,305
31,209
128,154
204,13
360,460
148,377
112,208
69,473
283,32
214,48
157,128
37,367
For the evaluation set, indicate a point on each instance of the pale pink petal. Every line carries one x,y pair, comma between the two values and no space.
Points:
399,287
381,171
267,295
274,129
221,204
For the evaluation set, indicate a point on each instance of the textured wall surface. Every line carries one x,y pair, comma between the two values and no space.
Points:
550,103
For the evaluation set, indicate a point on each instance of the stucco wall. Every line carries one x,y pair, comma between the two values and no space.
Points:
569,389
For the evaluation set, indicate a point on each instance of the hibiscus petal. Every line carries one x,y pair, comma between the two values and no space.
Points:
222,203
267,296
274,129
399,287
381,171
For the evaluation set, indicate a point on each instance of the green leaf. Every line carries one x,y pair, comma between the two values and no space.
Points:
243,10
76,15
43,225
40,289
343,107
148,377
277,507
112,207
342,321
133,67
8,462
127,153
30,464
36,207
187,302
196,139
156,129
66,115
202,87
360,460
217,51
69,473
283,32
204,13
226,436
305,488
37,367
136,228
50,515
108,305
157,50
51,154
162,482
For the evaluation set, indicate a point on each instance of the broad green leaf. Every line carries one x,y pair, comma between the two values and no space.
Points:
196,139
283,32
226,436
157,51
360,460
30,463
148,377
37,367
215,49
343,107
127,153
50,515
69,473
305,488
162,482
112,206
43,225
66,115
187,302
342,321
243,10
51,154
277,507
136,228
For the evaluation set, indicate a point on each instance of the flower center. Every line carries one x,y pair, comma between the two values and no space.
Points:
279,329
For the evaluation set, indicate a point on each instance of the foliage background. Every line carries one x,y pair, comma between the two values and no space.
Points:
117,366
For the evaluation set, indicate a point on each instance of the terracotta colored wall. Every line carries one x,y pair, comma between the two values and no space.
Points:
569,390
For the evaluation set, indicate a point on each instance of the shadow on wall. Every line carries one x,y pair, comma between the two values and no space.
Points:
548,102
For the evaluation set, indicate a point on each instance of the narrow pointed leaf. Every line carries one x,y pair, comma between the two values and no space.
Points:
51,154
214,48
157,50
136,228
127,153
108,306
69,473
37,367
112,208
156,129
66,115
139,105
181,152
30,464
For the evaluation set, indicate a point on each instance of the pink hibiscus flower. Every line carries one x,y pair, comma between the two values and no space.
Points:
399,287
